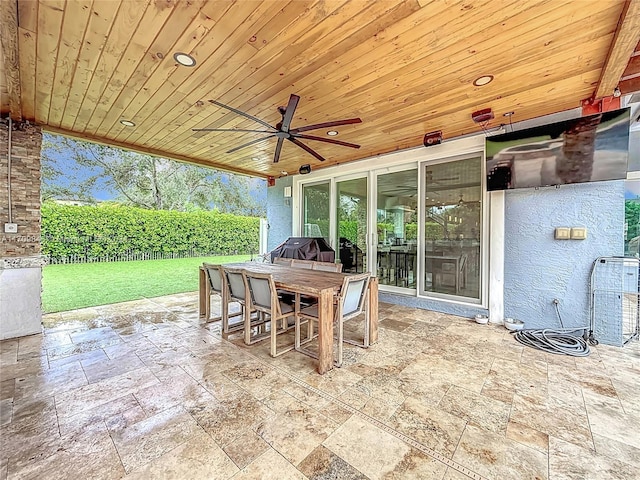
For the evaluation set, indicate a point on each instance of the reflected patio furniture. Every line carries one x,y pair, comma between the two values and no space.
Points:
447,272
350,303
397,266
264,299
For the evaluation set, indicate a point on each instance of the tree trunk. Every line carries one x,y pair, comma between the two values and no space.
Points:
578,150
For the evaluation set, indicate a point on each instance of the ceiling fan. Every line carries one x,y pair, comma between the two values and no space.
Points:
283,130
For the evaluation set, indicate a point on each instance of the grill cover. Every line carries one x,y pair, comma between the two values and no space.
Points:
305,248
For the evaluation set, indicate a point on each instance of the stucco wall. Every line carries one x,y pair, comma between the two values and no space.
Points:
452,308
539,268
279,213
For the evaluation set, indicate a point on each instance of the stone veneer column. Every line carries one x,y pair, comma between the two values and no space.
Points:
20,259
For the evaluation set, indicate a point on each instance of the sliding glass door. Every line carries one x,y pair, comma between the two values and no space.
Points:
397,228
452,230
351,217
316,210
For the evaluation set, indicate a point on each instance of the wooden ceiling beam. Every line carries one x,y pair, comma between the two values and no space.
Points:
9,41
624,42
150,151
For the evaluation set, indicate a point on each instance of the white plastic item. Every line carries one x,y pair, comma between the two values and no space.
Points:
513,324
482,319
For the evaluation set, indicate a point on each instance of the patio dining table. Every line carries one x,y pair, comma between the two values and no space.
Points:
323,285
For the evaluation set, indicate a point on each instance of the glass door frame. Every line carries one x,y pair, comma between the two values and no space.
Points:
373,224
298,213
484,233
299,231
493,211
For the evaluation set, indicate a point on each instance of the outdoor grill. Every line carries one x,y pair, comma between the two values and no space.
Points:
305,248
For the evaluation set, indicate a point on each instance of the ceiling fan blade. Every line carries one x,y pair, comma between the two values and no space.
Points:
276,156
307,149
337,123
235,110
288,114
228,130
257,140
327,140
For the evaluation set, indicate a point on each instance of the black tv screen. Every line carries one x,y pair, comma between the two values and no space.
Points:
587,149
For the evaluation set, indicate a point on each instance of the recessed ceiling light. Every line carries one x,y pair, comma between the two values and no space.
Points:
332,133
483,80
184,59
127,123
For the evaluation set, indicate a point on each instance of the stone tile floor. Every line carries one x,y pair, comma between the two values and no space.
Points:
146,390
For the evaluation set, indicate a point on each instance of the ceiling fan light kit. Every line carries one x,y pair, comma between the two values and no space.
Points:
283,131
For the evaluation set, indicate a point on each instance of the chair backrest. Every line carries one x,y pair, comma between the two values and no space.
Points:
282,260
263,291
236,282
306,264
353,294
214,275
327,266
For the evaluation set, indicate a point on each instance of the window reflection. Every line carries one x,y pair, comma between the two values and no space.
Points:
397,228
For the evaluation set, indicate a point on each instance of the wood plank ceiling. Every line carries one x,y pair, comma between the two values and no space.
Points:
404,67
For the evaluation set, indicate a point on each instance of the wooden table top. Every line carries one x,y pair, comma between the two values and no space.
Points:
301,280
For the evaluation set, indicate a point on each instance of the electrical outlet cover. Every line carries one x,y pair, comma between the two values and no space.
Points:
578,233
10,228
563,233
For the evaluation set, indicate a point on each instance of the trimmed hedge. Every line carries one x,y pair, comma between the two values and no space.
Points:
110,230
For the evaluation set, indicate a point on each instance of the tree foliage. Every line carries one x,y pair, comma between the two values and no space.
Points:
632,218
75,169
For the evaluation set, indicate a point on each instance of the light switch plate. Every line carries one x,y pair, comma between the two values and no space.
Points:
563,233
10,228
578,233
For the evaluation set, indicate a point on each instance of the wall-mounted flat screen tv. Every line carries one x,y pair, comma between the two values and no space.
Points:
587,149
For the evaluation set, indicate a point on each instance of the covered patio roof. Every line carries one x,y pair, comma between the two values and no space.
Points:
404,67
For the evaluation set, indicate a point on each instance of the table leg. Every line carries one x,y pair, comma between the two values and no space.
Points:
325,331
373,310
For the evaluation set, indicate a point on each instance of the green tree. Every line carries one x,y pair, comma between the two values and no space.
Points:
632,218
142,180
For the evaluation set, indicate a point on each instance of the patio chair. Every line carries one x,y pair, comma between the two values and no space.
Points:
350,304
237,288
306,264
283,261
327,266
215,277
264,299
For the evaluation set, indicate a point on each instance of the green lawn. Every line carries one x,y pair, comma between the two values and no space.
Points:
71,286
